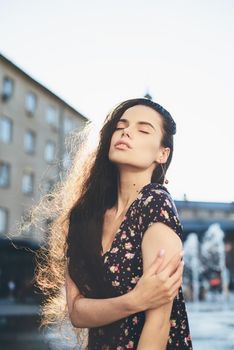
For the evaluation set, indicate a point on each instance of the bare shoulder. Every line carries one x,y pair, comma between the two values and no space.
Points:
158,233
159,236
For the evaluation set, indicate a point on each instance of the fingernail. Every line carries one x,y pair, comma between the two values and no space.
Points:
161,252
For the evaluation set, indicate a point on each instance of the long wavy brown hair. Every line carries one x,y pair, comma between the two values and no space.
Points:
74,212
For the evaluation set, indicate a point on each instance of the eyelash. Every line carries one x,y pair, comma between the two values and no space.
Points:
145,132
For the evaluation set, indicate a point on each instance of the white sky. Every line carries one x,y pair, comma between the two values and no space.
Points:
95,54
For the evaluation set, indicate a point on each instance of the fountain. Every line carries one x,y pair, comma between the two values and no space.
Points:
206,276
192,266
213,260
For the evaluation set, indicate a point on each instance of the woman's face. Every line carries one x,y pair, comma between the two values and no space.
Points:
143,133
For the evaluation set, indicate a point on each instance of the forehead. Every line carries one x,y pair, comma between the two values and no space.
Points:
142,113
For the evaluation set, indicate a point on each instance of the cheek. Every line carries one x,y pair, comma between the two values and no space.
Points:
149,148
114,139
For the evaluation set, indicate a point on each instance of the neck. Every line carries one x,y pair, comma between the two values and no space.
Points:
128,188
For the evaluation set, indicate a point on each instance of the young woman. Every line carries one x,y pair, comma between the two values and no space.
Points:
125,216
116,243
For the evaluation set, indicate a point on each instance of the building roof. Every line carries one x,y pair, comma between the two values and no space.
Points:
21,71
224,206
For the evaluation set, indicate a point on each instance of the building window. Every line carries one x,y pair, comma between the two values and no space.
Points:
186,213
3,220
27,182
30,142
49,153
30,103
26,226
217,214
203,213
66,160
68,125
49,184
7,90
52,117
5,129
4,174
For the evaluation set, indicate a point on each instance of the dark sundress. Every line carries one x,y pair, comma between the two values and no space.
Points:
123,266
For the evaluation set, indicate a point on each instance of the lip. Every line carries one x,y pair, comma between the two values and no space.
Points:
122,142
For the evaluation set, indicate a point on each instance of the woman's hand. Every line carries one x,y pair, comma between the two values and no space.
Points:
156,286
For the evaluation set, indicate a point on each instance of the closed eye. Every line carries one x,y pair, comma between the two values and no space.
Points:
145,132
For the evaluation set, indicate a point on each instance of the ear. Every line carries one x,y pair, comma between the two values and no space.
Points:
163,155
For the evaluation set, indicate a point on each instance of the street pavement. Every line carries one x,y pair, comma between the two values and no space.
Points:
211,325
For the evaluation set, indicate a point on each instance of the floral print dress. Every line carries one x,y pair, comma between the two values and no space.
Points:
123,266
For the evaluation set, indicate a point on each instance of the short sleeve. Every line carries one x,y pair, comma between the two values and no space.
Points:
158,206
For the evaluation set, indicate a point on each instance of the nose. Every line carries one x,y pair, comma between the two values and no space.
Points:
125,131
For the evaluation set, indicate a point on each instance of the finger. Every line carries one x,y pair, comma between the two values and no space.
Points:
157,262
172,265
176,289
178,274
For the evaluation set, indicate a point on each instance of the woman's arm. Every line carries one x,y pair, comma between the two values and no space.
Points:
151,291
86,312
156,328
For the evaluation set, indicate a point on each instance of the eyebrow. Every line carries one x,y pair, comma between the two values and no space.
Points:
140,123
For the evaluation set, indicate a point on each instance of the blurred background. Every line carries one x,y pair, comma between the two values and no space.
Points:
65,63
